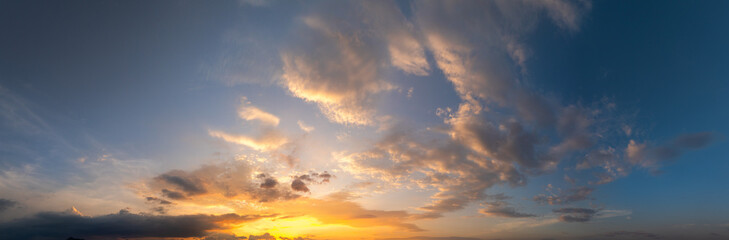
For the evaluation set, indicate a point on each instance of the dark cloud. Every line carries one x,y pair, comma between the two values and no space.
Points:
54,225
6,204
269,183
632,234
172,194
227,180
158,200
564,197
160,210
575,214
299,186
265,236
502,209
189,185
300,182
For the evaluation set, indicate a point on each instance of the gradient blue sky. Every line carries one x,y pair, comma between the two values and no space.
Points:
414,120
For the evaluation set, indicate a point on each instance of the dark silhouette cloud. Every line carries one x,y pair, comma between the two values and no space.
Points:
300,182
502,209
158,200
55,225
227,180
188,185
269,183
632,234
6,204
299,186
172,194
575,214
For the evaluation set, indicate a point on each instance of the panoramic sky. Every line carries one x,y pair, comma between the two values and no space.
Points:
421,120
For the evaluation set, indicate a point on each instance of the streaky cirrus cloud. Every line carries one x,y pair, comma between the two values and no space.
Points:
268,137
575,214
338,63
564,196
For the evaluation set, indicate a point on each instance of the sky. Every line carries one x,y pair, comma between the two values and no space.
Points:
420,120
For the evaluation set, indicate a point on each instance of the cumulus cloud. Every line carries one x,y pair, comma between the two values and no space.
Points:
503,130
226,180
268,182
53,225
299,183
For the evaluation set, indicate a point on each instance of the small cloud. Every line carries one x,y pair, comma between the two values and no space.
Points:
6,204
647,156
502,209
269,182
267,141
575,214
249,112
564,197
303,126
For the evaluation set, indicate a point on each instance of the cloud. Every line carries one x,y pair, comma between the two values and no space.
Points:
502,209
303,126
632,234
250,113
158,200
340,59
647,156
224,180
299,186
564,197
299,183
6,204
267,139
53,225
269,182
575,214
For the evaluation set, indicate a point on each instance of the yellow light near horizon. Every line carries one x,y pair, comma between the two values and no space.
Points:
288,227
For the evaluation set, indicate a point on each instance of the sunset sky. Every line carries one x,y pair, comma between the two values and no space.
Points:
387,120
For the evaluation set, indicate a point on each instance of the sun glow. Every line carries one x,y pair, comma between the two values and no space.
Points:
289,227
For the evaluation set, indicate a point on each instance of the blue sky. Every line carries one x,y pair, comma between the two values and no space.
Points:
414,120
